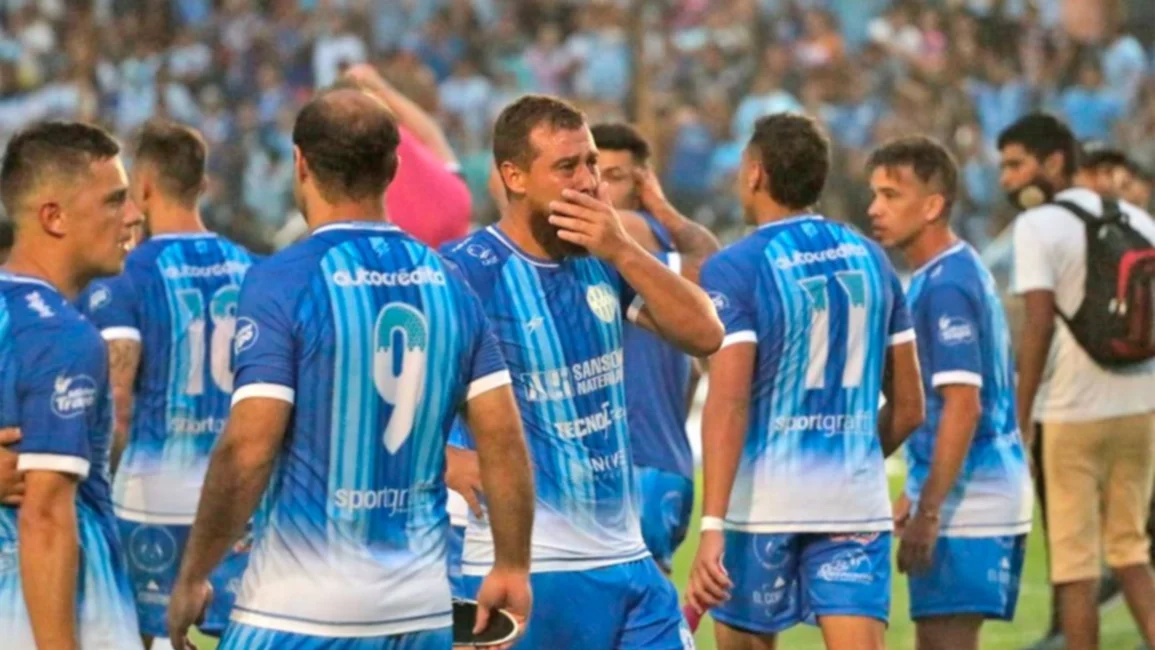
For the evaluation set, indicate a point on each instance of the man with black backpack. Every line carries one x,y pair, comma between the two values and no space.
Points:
1085,268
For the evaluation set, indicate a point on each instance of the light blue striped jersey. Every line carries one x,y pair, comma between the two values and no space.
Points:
178,297
560,327
377,343
822,304
963,339
657,382
54,388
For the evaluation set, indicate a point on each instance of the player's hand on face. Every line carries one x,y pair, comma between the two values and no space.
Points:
463,476
11,480
190,601
649,189
901,514
710,585
590,222
504,589
918,541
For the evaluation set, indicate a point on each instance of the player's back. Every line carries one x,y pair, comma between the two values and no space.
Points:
54,388
375,341
822,304
657,381
178,297
964,339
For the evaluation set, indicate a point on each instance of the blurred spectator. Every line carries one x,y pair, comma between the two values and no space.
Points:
868,69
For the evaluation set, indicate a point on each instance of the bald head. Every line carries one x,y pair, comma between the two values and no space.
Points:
348,141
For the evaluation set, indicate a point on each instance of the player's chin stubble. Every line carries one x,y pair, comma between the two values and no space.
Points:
546,234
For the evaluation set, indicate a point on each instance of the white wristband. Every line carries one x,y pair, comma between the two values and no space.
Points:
711,523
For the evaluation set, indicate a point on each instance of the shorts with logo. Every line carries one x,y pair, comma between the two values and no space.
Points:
247,637
629,606
782,579
453,557
667,501
154,552
970,575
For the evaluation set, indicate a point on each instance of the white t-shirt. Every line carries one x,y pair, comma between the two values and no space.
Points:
1051,254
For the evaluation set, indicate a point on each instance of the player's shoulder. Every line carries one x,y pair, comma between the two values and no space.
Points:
957,269
39,316
479,256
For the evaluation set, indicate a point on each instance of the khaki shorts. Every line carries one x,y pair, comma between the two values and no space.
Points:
1099,476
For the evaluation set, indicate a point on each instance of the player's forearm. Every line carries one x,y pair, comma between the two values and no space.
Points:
724,423
123,364
232,489
507,480
49,565
960,417
693,242
122,423
681,312
1033,352
418,122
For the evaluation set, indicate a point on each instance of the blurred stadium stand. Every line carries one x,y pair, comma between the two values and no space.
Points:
693,73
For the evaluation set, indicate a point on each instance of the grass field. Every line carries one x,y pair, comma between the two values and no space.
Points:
1117,629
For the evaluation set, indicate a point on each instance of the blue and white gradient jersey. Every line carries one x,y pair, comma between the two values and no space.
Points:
963,339
54,388
178,297
377,343
822,303
657,380
560,327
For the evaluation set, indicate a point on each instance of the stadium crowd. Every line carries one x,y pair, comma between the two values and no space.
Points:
239,70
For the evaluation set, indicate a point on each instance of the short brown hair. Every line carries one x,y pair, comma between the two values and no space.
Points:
512,129
927,158
47,148
795,154
349,141
619,136
178,153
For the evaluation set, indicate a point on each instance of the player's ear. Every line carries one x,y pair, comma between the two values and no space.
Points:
935,207
51,218
299,167
513,177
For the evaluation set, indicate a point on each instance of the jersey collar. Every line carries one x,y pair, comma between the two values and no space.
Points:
954,248
789,220
183,235
532,259
26,279
378,226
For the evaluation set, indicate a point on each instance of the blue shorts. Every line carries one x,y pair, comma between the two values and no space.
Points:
782,579
621,607
247,637
453,557
154,552
971,575
667,501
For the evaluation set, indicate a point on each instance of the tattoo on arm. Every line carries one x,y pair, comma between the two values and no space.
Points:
123,364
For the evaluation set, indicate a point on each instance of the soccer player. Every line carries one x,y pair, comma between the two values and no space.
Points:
354,350
169,321
558,275
795,490
967,507
63,583
659,378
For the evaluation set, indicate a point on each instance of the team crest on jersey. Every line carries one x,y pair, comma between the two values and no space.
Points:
603,302
721,302
483,253
100,297
245,335
72,396
955,331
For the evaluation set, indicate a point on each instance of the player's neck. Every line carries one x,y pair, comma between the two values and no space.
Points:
173,221
929,245
769,212
514,224
330,213
51,268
